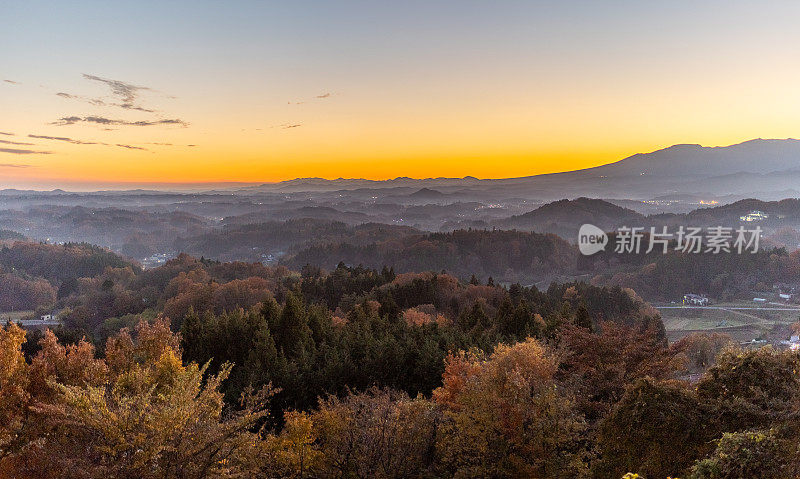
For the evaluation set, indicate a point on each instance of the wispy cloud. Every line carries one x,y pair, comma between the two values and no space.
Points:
81,142
7,134
63,138
93,101
296,125
167,144
12,82
71,120
15,151
15,143
128,93
318,97
14,165
131,147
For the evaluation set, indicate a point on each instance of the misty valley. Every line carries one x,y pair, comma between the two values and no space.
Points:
301,311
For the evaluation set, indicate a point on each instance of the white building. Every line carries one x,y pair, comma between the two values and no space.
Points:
754,216
695,300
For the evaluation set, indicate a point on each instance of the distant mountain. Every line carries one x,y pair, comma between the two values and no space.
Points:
759,166
426,193
754,156
270,240
565,217
322,184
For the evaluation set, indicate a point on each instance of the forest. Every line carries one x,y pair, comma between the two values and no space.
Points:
200,368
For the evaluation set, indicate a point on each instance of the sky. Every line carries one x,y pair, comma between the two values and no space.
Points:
137,93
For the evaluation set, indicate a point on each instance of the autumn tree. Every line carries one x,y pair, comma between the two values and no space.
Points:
13,386
701,349
752,388
657,429
505,416
292,453
376,434
140,413
600,365
756,453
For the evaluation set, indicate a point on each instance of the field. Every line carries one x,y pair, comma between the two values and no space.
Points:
744,321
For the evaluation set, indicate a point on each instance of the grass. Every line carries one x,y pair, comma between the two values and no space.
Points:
699,319
742,325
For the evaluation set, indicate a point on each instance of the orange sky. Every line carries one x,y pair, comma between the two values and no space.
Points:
267,94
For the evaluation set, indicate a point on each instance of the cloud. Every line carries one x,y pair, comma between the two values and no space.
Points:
128,93
93,101
15,151
67,120
4,133
15,143
12,82
137,108
296,125
167,144
14,165
130,147
322,96
71,120
62,138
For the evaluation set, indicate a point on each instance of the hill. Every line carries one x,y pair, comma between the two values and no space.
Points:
508,256
564,217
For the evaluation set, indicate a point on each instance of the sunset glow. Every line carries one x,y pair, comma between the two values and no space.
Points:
269,91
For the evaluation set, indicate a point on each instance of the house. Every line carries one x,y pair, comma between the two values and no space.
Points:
759,300
754,216
785,296
695,300
49,317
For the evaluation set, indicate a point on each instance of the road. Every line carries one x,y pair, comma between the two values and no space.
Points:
729,308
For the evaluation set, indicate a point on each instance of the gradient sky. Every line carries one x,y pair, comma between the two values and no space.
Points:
266,91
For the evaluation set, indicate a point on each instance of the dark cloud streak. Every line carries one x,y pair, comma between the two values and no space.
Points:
15,143
15,151
71,120
68,140
93,101
131,147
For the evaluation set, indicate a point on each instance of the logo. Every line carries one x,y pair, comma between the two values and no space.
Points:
591,239
691,239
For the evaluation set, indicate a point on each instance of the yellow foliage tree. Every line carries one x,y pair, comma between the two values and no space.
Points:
505,416
13,385
142,414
